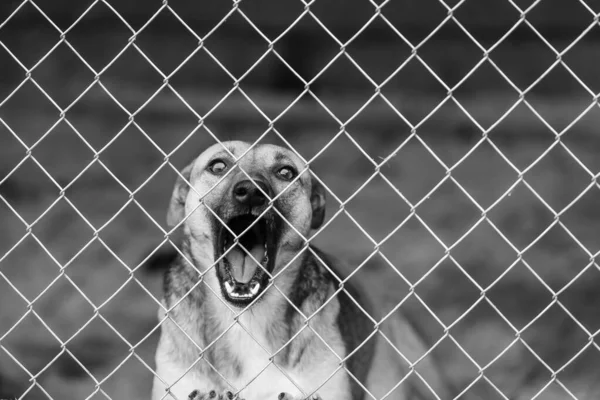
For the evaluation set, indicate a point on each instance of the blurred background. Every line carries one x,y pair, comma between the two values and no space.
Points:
501,176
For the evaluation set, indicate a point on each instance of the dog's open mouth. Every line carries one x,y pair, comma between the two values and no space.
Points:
243,271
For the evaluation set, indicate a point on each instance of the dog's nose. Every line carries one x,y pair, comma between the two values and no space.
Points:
247,193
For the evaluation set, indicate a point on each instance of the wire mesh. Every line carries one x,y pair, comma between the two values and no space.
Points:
344,132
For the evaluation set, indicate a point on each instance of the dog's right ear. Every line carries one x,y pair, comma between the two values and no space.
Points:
176,211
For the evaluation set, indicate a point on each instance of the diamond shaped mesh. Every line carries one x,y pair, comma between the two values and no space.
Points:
464,196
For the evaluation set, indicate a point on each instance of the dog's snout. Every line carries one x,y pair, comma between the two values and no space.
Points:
251,193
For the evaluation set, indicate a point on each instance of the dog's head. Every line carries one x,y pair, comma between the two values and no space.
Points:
228,198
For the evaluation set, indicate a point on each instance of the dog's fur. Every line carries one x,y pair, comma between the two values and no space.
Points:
203,347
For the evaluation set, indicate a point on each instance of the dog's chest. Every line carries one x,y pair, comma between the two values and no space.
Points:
257,377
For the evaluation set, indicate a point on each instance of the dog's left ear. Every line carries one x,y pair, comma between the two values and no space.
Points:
317,202
176,210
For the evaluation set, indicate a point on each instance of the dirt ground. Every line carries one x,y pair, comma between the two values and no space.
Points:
503,278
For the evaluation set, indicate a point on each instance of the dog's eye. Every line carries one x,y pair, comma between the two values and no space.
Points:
287,173
217,167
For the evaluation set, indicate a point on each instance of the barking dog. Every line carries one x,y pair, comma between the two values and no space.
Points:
254,310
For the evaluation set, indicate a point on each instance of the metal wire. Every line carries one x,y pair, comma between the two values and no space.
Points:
343,132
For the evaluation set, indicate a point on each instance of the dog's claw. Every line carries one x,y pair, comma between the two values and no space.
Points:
196,395
228,395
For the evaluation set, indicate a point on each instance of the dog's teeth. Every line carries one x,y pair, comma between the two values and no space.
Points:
254,288
229,288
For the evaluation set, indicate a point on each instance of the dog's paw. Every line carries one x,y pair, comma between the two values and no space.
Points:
213,395
198,395
287,396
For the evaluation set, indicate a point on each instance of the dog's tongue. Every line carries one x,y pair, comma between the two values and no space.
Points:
242,265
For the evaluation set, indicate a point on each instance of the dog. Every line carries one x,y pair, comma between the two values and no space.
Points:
254,311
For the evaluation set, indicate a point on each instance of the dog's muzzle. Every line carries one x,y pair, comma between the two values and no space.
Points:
246,245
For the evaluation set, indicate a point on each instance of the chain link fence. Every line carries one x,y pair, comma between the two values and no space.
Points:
509,229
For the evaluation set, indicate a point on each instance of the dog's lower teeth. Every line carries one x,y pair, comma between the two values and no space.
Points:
230,288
